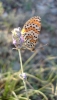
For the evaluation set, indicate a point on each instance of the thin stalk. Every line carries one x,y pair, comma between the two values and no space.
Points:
20,60
22,73
15,95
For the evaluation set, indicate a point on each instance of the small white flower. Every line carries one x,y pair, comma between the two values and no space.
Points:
23,76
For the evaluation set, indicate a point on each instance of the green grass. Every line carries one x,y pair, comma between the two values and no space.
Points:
41,82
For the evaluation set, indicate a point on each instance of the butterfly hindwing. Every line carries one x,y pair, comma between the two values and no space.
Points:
30,31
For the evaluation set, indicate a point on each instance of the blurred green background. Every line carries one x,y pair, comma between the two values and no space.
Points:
43,62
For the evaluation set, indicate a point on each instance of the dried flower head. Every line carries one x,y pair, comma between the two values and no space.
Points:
18,39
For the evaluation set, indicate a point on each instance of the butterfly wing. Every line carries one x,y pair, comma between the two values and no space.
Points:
30,32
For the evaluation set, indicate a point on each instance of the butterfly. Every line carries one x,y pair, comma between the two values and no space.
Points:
31,31
28,36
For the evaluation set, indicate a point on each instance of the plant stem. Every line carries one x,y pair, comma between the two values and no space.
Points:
20,60
24,81
15,95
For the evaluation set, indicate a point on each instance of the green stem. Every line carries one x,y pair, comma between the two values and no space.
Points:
20,60
22,73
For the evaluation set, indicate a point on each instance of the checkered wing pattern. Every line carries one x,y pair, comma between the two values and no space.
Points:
30,32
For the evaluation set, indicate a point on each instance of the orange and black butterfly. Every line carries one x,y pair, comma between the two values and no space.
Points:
30,32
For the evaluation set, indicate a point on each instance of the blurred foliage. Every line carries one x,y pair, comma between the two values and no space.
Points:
1,9
41,82
11,4
41,67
